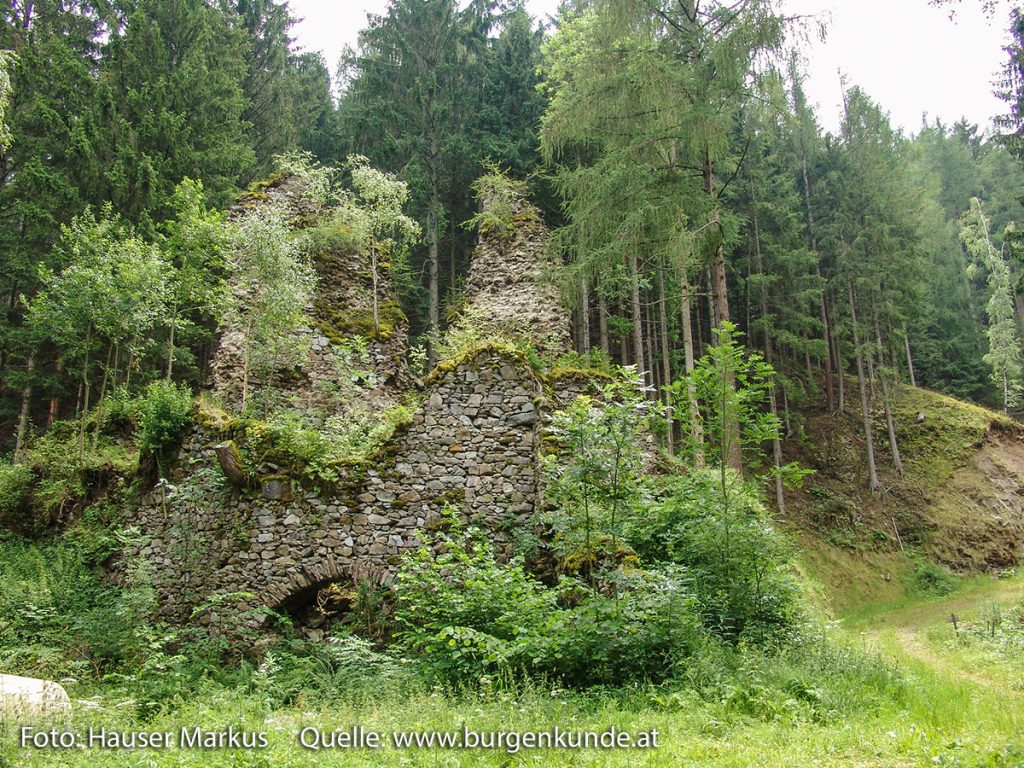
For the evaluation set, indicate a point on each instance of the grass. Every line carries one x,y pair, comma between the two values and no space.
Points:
939,710
938,721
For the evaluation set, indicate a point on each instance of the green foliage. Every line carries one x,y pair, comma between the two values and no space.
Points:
931,578
344,666
593,472
275,283
7,61
15,490
165,412
731,385
319,454
469,616
58,616
501,201
70,469
1004,344
474,332
741,568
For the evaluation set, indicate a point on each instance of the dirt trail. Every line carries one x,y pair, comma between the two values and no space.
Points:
899,632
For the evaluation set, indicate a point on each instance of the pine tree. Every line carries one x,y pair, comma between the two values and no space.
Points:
1004,347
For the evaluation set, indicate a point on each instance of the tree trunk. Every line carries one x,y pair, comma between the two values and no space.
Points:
720,314
698,341
170,342
432,287
246,357
713,319
21,435
374,280
452,265
584,315
822,311
602,324
780,499
652,359
638,326
865,414
910,359
231,463
696,428
85,393
666,365
890,426
54,409
840,366
719,289
827,335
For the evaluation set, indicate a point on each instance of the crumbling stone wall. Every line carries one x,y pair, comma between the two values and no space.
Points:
341,311
511,286
472,444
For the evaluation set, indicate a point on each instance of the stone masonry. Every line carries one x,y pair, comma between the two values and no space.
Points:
472,445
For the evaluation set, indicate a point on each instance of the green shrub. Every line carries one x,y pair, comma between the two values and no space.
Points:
165,412
57,615
740,566
70,469
932,578
468,616
646,631
15,489
463,612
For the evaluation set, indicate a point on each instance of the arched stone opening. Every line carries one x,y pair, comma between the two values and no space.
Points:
331,602
318,608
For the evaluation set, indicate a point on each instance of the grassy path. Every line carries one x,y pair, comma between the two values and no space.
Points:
899,631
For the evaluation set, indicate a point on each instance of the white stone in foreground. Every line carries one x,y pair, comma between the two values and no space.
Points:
22,696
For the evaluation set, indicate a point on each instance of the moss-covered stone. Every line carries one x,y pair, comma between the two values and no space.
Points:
478,356
341,325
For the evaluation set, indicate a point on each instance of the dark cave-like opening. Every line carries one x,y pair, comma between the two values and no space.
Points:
317,609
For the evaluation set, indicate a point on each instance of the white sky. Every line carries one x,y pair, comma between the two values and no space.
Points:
909,56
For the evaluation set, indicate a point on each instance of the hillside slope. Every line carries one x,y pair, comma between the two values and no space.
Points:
960,503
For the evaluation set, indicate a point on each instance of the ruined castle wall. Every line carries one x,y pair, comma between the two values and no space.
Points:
510,285
341,312
472,444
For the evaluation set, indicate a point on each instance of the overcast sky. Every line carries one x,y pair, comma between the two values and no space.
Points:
908,55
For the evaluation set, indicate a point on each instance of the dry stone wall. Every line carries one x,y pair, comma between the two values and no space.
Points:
510,285
341,311
472,444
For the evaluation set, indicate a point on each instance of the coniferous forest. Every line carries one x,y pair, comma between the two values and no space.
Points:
506,374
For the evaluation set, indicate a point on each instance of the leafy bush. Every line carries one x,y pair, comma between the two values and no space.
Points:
15,489
70,469
165,412
932,578
57,615
740,565
468,616
320,455
501,200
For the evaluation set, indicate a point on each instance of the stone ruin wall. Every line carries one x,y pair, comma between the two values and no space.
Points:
509,287
471,444
343,306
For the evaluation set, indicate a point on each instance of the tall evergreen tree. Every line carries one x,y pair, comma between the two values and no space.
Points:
1004,347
